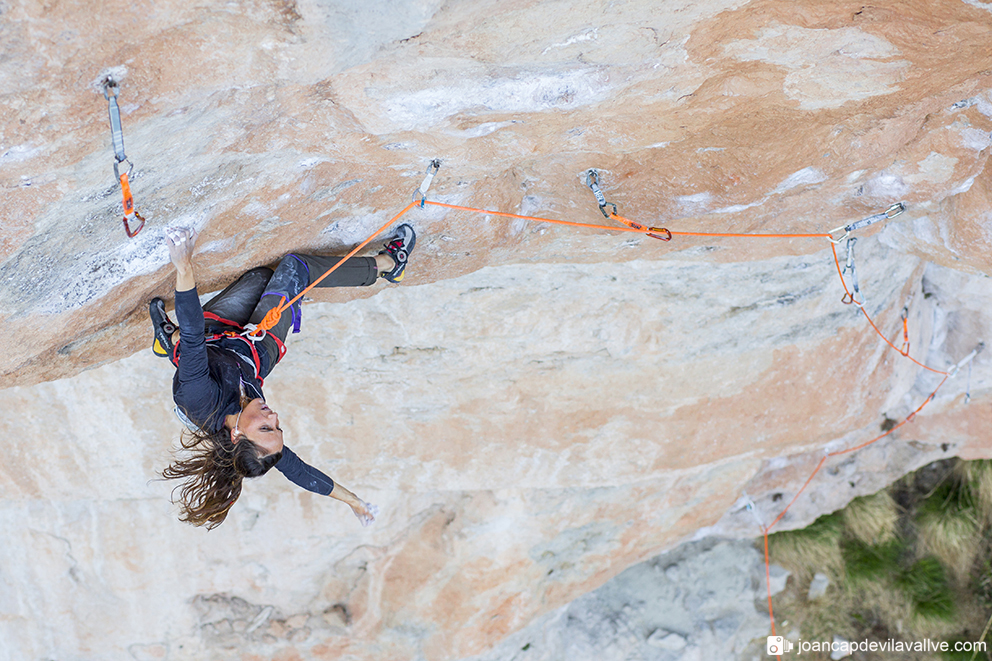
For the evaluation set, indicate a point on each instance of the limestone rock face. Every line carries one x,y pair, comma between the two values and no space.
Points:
537,407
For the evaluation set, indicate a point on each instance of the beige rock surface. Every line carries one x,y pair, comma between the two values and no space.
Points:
537,407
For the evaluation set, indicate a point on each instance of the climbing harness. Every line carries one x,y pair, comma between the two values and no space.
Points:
432,169
592,181
237,332
849,296
891,212
110,89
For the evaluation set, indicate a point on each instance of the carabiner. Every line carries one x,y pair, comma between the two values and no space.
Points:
130,167
831,238
891,212
432,169
250,330
127,227
905,331
848,298
592,181
895,210
668,233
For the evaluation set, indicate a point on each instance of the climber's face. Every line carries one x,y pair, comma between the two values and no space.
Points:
261,425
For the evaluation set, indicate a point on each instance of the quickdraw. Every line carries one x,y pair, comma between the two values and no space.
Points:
849,297
432,169
110,89
592,181
891,212
905,331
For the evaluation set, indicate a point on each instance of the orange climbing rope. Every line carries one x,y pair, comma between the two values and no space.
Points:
664,234
272,317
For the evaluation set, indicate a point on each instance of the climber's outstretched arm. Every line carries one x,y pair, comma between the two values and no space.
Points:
364,511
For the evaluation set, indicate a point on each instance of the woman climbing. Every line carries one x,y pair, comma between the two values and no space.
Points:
218,382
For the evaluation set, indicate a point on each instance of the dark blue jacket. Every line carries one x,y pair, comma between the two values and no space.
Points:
207,385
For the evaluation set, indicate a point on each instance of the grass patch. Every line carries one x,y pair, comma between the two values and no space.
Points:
927,586
912,562
812,549
871,562
979,477
949,524
872,519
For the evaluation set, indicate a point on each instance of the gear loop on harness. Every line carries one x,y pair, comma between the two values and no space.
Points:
432,169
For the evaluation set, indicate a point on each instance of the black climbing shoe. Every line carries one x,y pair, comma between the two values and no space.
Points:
399,248
163,327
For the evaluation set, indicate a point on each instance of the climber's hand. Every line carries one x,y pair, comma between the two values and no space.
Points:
181,242
365,512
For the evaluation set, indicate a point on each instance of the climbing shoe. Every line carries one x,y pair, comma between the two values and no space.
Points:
163,327
399,248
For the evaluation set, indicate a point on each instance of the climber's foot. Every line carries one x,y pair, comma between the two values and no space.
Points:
399,248
163,327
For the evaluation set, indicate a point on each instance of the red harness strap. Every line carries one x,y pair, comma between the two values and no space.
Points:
235,334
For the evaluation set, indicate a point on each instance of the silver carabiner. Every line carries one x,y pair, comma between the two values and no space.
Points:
891,212
432,169
592,181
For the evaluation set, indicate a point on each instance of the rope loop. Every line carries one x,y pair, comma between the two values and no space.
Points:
269,321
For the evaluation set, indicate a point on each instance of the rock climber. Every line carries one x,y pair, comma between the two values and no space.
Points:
217,386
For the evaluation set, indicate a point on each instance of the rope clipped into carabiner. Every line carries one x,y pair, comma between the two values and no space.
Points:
273,316
849,297
592,181
110,89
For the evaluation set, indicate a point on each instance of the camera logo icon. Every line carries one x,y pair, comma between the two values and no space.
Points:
778,645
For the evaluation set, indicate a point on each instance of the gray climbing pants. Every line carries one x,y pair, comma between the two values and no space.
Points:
250,297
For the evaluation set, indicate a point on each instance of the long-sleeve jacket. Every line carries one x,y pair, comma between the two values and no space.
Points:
207,386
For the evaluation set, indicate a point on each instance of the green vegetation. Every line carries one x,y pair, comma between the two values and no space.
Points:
911,562
926,585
